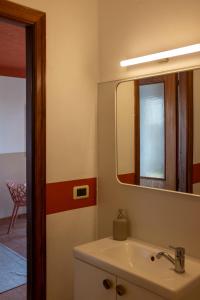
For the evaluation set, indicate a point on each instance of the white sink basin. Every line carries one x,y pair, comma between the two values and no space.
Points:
132,261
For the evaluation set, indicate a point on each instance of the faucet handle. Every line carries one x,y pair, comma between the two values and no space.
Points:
179,251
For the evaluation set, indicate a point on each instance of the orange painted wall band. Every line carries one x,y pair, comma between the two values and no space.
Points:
127,178
12,72
130,177
59,195
196,173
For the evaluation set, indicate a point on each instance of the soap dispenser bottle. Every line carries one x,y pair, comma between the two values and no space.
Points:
120,226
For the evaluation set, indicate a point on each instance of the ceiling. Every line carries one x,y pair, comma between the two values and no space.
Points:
12,50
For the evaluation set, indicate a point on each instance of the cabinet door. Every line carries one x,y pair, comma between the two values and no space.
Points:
88,283
130,291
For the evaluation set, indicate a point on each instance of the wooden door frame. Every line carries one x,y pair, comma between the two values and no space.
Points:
35,23
185,131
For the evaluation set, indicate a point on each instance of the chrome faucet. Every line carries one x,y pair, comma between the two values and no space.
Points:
178,261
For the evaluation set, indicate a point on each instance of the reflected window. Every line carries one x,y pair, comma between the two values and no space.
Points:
152,131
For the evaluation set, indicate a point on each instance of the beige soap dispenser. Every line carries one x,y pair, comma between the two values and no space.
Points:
120,226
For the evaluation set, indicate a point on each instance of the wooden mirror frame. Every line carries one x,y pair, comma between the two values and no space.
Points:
35,23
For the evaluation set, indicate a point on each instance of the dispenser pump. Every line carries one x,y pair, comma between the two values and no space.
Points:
120,226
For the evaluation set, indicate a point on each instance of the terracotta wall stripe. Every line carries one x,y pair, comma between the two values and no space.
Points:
130,177
127,178
59,195
196,173
12,72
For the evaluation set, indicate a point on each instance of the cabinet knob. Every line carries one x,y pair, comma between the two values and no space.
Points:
120,290
107,283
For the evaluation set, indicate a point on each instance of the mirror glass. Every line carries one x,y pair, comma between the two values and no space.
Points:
158,132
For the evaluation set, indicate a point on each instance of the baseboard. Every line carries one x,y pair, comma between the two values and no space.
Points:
20,216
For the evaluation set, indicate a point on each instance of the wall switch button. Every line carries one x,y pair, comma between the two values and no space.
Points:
81,192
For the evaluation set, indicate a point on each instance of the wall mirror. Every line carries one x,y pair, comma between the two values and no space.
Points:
158,132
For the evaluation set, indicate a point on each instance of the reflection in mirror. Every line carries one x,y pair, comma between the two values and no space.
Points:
157,124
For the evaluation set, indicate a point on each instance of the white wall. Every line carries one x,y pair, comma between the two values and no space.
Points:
125,113
71,126
66,230
130,28
12,114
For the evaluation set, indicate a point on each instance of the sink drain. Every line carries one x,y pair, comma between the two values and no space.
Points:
152,258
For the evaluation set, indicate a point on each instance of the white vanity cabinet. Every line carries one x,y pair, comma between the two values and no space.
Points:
143,278
88,283
134,292
91,283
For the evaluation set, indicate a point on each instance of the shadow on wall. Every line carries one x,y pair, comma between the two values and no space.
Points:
13,167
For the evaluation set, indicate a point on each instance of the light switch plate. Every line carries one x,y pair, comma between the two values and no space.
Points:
81,192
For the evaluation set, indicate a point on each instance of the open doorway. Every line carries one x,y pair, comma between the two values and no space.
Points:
13,237
33,182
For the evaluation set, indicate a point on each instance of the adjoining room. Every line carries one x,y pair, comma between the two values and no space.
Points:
13,266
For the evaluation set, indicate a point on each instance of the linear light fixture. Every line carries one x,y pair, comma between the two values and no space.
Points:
161,55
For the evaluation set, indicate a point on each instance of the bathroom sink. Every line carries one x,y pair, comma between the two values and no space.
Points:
135,261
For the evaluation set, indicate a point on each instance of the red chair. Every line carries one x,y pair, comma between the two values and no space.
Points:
18,195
